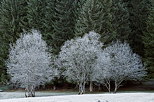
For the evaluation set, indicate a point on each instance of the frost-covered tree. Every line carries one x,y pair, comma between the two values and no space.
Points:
124,64
29,64
103,75
78,56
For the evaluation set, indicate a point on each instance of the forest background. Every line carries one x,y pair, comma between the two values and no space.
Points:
60,20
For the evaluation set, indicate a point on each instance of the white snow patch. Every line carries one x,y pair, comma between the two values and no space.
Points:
119,97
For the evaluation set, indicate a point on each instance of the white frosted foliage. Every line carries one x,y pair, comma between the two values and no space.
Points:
78,56
29,63
122,65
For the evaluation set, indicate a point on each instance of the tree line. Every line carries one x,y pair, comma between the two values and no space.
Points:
81,61
61,20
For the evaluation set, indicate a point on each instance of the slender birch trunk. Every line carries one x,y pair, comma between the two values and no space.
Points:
115,87
80,88
108,85
91,86
84,85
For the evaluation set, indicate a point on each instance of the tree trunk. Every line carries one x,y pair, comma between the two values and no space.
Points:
115,87
99,87
54,87
33,91
108,85
84,84
109,88
30,91
91,86
81,88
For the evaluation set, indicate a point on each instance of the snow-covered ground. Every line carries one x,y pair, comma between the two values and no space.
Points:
119,97
20,94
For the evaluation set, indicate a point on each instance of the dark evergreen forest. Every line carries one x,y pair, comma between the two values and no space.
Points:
129,21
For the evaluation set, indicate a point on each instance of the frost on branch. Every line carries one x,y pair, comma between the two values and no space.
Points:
78,57
29,63
103,74
124,64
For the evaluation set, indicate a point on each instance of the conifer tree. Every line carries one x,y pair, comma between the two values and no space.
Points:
77,4
13,17
110,18
94,16
12,22
36,14
148,40
48,17
40,16
48,20
63,24
138,13
120,21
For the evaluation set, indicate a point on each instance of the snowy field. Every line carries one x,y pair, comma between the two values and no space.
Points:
10,95
119,97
